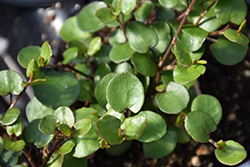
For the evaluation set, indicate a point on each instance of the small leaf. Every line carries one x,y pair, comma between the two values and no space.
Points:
124,67
11,116
87,20
142,13
16,128
182,134
47,124
67,146
101,71
105,15
232,154
10,82
94,46
227,52
182,54
168,3
167,76
127,6
120,52
33,68
65,116
156,127
103,54
174,100
13,146
28,53
46,53
162,147
131,92
55,160
85,90
199,125
134,126
83,126
64,129
236,37
141,37
117,37
85,112
69,55
118,115
164,14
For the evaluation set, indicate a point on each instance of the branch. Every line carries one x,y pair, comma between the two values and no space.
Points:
29,158
203,13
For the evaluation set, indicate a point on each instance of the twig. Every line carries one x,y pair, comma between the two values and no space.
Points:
29,158
212,39
18,97
220,32
203,13
123,29
156,58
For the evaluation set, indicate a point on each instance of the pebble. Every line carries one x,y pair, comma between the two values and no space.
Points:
195,161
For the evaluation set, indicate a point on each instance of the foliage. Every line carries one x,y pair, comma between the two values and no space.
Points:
107,90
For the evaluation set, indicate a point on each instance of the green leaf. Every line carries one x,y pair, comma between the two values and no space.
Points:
174,100
121,16
71,31
182,134
100,90
35,110
46,53
16,128
199,125
119,149
168,3
28,53
131,92
192,37
85,112
164,14
69,55
10,82
108,127
197,6
56,160
85,90
183,75
141,37
167,76
118,115
103,54
67,146
124,67
142,13
231,11
69,160
236,37
163,33
144,65
33,68
64,129
94,46
105,15
127,6
232,154
1,145
47,124
83,126
156,127
87,20
208,104
101,71
227,52
162,147
132,127
65,116
9,158
120,52
198,54
182,54
11,116
13,145
61,89
117,37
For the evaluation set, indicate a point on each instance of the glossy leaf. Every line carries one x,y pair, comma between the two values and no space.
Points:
101,71
47,124
1,145
117,37
162,147
13,145
16,128
124,67
167,76
35,110
182,135
192,37
65,116
9,158
67,146
174,100
168,3
121,16
83,126
105,15
33,69
141,37
164,14
28,53
64,129
86,19
236,37
144,65
182,54
127,6
156,127
183,75
85,86
103,54
108,127
71,31
199,125
46,53
231,11
69,160
118,115
61,89
10,82
232,154
120,52
227,52
131,92
11,116
55,160
132,127
85,112
69,55
195,56
142,13
208,104
94,46
197,6
100,90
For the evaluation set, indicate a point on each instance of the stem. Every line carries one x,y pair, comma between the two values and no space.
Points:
29,158
211,39
156,58
220,32
213,142
18,97
123,29
90,68
72,68
203,13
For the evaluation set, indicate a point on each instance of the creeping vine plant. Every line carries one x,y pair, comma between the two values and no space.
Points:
128,66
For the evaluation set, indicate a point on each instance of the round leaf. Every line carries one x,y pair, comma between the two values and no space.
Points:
13,146
85,112
131,92
34,135
199,125
46,53
67,146
208,104
11,116
27,54
94,46
156,127
168,3
64,129
120,52
232,154
87,20
174,100
33,68
236,37
141,37
10,82
124,67
142,13
144,65
101,71
47,124
103,54
105,15
69,160
182,54
83,126
69,55
227,52
118,115
60,89
35,110
127,6
117,37
65,116
164,14
162,147
16,128
107,127
182,134
84,94
134,126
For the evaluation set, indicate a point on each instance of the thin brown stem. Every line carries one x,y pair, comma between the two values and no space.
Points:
212,39
153,52
18,97
203,13
123,29
29,158
220,32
